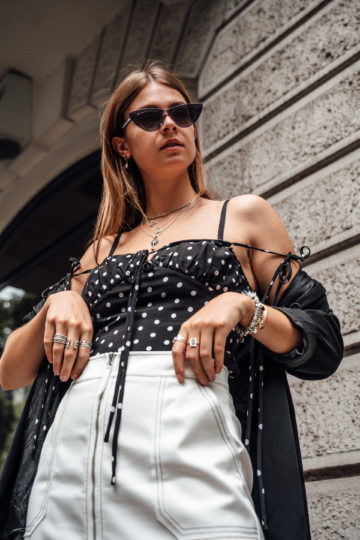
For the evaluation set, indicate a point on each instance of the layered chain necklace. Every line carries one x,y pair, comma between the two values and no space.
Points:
151,221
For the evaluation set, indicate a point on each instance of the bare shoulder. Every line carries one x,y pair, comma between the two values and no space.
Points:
250,206
262,224
254,219
88,261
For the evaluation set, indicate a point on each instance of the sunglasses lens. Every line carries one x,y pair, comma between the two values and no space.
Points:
185,115
181,116
148,120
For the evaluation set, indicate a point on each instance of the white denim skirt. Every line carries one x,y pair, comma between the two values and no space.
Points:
182,470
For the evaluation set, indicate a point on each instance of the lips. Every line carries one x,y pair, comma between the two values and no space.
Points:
170,143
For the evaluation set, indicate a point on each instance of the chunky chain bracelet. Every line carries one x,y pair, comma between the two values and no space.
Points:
258,320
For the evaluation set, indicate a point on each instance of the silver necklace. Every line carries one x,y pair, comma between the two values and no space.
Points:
167,213
159,230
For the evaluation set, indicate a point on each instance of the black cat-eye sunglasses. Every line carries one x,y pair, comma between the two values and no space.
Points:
151,118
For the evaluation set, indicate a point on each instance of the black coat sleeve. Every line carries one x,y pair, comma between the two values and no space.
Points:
304,302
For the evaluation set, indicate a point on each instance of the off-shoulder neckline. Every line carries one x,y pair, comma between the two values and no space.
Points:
165,246
169,244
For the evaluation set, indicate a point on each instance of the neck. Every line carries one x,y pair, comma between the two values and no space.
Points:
166,195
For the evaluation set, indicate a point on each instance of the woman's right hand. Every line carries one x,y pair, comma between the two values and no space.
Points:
68,315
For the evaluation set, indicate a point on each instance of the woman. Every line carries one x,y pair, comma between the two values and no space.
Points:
171,294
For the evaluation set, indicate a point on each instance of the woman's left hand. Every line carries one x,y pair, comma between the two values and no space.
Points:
210,325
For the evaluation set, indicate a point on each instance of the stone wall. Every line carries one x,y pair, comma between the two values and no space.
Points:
281,88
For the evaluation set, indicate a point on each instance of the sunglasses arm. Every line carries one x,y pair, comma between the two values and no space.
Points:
126,123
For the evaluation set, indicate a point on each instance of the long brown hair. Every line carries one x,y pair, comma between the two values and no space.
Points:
123,197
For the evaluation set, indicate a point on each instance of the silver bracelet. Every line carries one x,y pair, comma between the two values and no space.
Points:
253,327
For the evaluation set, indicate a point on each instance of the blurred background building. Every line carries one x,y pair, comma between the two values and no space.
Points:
280,83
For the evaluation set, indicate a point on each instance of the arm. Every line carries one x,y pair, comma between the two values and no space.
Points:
251,220
288,333
301,332
26,346
60,311
262,228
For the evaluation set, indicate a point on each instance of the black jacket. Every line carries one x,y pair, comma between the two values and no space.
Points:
274,449
277,453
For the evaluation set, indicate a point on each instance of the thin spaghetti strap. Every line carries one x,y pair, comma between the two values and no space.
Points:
304,251
115,243
222,221
258,249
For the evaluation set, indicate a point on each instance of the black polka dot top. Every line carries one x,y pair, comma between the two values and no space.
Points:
180,278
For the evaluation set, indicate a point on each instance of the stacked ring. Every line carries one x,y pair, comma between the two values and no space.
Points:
86,344
82,343
63,340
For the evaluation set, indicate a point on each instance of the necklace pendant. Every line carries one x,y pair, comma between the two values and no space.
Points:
152,223
154,241
158,230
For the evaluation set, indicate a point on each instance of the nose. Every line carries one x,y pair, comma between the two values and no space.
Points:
167,121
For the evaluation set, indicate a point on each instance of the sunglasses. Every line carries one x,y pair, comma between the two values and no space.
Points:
151,119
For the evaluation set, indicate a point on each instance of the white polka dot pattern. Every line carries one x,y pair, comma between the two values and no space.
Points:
173,285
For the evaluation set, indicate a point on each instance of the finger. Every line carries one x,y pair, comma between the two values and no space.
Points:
58,349
220,336
82,357
206,351
178,352
69,358
193,358
76,330
49,333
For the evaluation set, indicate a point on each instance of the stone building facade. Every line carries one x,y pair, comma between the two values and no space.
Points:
280,83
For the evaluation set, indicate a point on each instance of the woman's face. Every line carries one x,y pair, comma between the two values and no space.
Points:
148,148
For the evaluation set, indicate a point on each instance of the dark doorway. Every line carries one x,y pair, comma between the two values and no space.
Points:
55,225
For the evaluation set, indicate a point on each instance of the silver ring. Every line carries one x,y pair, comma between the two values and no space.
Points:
63,340
76,344
179,337
193,342
87,344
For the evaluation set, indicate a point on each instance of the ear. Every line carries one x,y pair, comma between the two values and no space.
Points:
120,146
194,132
